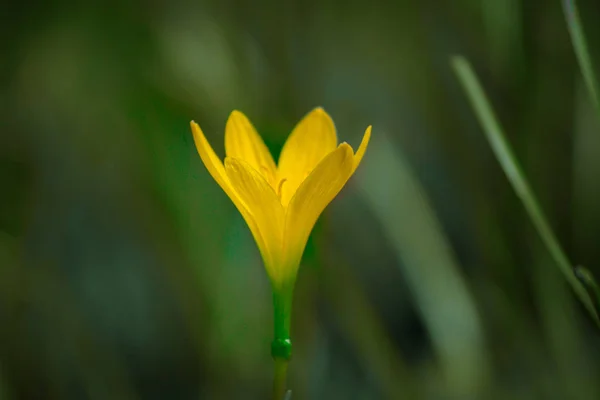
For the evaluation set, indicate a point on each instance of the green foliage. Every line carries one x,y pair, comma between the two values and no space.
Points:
126,272
512,170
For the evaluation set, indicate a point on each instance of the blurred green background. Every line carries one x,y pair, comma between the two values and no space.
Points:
126,272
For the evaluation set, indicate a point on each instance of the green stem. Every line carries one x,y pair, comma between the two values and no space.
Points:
279,378
282,316
281,347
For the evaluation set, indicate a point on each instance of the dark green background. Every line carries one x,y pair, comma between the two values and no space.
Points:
126,272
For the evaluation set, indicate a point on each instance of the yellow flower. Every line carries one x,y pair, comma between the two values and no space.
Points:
281,203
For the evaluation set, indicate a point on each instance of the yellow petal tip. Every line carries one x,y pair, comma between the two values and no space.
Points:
196,131
320,111
346,148
237,116
363,147
367,136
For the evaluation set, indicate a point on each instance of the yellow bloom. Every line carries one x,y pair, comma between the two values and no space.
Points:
281,203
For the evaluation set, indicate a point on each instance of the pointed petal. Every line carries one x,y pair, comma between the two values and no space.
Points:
215,167
264,207
313,195
244,143
211,161
362,148
311,140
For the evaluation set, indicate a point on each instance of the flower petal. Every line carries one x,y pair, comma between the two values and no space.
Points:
311,140
244,143
211,161
313,195
362,148
215,167
264,207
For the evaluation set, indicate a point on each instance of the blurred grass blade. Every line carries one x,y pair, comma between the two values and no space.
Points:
432,272
587,280
581,49
517,179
